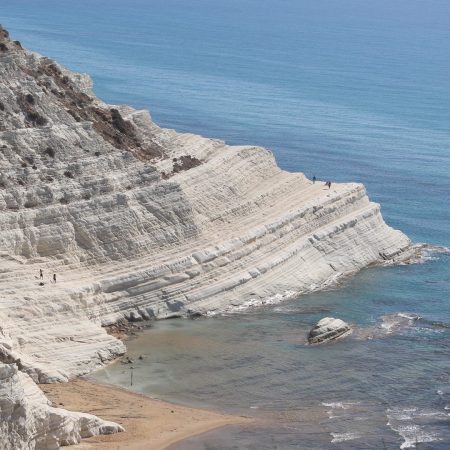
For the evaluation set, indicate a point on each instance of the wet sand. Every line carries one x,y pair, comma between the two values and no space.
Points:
150,424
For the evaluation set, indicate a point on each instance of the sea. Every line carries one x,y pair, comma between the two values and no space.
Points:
346,90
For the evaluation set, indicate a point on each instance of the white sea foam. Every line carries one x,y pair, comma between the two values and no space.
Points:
427,252
340,405
257,302
392,322
338,409
402,421
413,435
333,404
342,437
425,331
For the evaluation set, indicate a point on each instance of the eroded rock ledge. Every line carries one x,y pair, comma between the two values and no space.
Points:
141,222
28,420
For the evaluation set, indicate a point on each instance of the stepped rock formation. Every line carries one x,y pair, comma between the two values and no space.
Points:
140,222
143,222
29,421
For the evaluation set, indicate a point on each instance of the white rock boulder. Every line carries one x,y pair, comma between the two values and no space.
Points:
28,421
328,329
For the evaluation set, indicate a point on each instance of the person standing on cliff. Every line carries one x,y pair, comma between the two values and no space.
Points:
54,278
314,179
41,274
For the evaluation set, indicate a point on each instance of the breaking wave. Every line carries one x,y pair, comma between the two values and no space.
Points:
411,425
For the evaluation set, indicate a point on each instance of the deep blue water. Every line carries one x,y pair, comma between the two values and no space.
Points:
344,90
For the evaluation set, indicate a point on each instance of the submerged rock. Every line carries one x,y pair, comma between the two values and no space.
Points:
328,329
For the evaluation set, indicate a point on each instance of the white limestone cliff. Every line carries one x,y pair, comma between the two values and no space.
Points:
82,196
143,222
29,421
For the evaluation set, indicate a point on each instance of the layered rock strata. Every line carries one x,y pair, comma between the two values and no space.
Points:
29,421
143,222
328,329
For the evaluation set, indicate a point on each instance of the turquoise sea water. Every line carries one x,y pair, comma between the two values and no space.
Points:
344,90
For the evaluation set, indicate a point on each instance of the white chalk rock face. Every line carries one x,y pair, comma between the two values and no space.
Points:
28,421
328,329
141,222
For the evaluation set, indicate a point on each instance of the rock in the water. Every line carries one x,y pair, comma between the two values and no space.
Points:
328,329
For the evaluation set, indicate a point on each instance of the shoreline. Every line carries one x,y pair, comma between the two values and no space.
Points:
150,424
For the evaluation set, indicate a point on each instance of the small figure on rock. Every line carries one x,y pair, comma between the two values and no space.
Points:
41,274
54,278
314,179
328,184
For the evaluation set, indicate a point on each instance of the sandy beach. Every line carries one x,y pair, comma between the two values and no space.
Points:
150,424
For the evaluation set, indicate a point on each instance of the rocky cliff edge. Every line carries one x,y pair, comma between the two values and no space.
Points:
140,222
